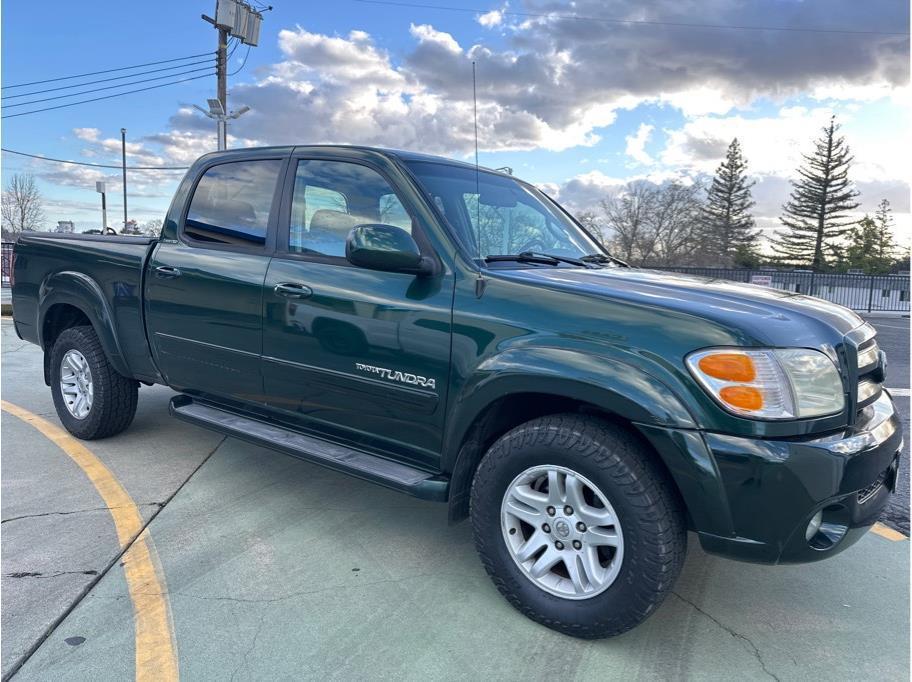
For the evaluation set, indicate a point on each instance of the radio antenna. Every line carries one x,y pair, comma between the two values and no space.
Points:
477,183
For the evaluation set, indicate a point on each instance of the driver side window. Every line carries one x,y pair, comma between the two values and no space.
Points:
332,197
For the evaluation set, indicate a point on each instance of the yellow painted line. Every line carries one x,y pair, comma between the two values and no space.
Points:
156,650
887,532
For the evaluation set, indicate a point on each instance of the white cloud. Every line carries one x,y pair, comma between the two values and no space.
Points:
636,144
491,19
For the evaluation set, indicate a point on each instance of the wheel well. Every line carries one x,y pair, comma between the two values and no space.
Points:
509,412
59,318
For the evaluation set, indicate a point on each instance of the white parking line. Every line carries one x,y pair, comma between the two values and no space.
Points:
899,392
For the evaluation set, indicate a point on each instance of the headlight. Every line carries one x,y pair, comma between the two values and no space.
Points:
786,383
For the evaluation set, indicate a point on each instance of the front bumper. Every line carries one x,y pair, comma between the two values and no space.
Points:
772,489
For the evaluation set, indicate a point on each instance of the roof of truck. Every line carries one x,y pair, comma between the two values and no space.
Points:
402,155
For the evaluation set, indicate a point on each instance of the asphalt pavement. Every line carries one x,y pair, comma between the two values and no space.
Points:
272,568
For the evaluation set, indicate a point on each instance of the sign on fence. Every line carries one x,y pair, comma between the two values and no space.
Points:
762,280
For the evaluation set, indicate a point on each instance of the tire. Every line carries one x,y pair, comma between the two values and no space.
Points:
113,396
631,578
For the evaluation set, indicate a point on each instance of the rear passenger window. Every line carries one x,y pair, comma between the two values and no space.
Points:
231,203
332,197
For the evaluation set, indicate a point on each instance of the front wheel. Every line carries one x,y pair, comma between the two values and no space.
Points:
91,398
576,525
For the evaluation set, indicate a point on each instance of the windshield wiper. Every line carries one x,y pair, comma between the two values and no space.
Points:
532,257
602,258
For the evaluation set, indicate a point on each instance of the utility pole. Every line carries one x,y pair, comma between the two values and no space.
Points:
238,19
221,74
123,155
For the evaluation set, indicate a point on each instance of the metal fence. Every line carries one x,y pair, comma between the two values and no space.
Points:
864,293
7,260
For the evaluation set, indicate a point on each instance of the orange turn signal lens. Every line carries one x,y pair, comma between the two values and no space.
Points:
742,397
728,366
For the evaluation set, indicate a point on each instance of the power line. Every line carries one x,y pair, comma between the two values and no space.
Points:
243,63
105,80
95,165
96,99
95,73
633,22
108,87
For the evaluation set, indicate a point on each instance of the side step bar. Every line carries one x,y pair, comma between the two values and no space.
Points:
332,455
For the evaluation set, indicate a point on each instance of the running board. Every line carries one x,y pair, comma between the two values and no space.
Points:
332,455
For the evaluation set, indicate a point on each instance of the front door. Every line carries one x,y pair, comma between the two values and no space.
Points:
360,353
204,290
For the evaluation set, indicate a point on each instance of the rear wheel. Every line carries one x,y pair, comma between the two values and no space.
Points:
91,398
576,526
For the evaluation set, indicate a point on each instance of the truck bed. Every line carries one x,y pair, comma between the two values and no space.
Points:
57,269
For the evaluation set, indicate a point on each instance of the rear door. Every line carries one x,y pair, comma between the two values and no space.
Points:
204,290
361,353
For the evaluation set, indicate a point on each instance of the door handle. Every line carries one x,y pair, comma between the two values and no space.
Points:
292,290
167,272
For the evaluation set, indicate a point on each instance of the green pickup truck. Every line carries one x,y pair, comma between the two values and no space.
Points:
452,333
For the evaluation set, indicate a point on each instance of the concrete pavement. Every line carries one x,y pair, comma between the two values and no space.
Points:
275,568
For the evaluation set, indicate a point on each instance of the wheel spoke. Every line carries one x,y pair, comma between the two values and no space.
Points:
575,492
555,488
590,566
69,390
577,574
531,546
595,516
521,511
530,497
600,537
545,562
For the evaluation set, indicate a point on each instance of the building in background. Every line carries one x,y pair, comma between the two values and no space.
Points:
65,227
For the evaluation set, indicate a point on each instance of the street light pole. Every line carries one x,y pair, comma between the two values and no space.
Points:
100,188
123,153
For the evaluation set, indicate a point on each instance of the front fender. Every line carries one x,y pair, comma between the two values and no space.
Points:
84,293
608,383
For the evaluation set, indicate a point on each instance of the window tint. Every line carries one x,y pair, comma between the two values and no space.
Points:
231,202
332,197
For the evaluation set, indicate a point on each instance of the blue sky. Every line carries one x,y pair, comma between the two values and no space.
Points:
576,106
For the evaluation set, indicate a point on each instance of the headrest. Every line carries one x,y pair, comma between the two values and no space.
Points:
333,221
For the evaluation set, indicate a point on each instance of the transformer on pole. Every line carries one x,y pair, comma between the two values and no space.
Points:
233,18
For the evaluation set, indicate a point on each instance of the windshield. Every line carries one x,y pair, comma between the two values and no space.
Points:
495,215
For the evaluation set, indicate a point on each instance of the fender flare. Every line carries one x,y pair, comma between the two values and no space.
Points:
608,383
83,293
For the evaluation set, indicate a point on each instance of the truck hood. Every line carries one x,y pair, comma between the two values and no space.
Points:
770,316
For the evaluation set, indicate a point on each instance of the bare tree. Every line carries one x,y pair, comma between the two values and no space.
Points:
627,215
21,207
676,222
650,224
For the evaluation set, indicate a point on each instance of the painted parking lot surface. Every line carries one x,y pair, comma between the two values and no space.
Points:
274,568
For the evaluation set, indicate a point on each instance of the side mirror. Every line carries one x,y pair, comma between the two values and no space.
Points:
376,246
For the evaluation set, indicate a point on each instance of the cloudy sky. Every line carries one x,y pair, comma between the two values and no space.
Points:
578,97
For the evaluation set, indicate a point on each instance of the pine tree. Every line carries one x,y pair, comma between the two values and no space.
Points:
871,245
823,195
727,223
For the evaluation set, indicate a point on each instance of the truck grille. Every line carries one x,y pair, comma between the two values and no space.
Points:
870,373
